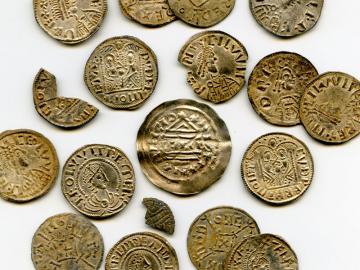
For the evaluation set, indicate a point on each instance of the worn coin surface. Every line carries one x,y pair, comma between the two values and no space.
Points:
277,168
216,64
330,108
183,147
262,252
28,165
98,180
65,242
277,84
151,13
287,18
213,234
142,251
202,13
70,21
122,72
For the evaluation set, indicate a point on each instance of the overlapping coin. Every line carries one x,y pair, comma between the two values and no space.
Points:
183,147
216,64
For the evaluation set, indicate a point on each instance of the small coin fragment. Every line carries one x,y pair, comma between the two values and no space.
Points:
183,147
70,21
263,251
202,13
287,18
330,108
59,111
28,165
122,72
159,215
142,251
65,242
277,84
216,64
277,168
213,234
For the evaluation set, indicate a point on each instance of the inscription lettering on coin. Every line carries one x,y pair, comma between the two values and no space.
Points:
216,64
70,21
330,108
98,180
262,252
287,18
142,251
65,242
202,13
183,147
122,72
213,234
28,165
277,168
276,86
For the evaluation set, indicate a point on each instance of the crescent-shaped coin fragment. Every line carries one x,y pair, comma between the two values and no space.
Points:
159,215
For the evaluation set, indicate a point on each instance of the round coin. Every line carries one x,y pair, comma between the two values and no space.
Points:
263,251
142,251
28,165
202,13
287,18
65,242
330,108
122,72
277,168
213,234
276,86
183,147
216,64
98,180
70,21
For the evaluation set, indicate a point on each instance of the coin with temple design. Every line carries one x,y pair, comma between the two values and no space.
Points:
277,168
98,180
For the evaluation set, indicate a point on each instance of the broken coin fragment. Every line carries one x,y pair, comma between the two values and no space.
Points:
159,215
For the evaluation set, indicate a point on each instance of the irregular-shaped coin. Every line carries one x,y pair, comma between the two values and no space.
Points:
98,180
59,111
277,84
70,21
287,18
122,72
183,147
277,168
65,242
263,251
330,108
142,251
202,13
216,64
213,234
148,12
159,215
28,165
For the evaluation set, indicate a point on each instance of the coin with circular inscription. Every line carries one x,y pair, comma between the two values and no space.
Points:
330,108
213,234
216,64
65,242
265,251
142,251
183,147
276,86
70,21
28,165
122,72
287,18
98,180
202,13
277,168
151,13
